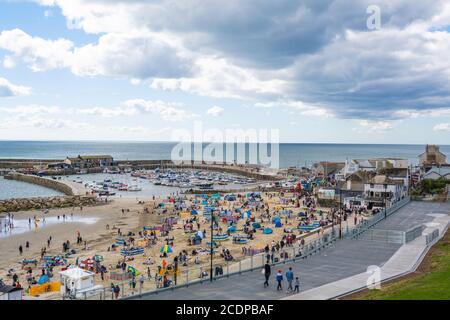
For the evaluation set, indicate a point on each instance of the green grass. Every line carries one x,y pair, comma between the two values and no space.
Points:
430,282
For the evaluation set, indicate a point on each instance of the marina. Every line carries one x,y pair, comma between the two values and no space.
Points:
159,182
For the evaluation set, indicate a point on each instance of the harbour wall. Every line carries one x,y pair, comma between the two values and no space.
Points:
14,205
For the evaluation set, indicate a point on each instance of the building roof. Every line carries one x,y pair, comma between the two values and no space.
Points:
382,179
395,172
90,157
9,289
76,273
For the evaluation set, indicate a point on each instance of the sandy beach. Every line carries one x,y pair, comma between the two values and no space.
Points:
99,239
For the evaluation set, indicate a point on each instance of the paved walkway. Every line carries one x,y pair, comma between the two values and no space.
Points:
337,269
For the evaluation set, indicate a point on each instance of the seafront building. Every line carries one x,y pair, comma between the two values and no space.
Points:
432,156
84,162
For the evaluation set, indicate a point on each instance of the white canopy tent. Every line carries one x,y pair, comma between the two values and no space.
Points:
75,282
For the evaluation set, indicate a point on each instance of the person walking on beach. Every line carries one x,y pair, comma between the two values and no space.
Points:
20,250
267,272
141,282
297,285
289,278
279,279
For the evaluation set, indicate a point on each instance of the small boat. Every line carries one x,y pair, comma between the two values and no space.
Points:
134,188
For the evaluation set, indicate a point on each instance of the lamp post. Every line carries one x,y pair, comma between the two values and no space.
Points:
340,213
211,248
385,191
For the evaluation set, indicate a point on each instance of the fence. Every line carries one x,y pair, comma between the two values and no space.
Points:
357,230
413,233
201,274
432,236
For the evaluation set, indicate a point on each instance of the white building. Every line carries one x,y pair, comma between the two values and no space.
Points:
381,189
77,283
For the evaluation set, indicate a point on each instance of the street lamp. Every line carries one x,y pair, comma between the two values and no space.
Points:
340,213
211,247
385,191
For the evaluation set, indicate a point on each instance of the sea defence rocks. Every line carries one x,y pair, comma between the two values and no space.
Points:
45,182
14,205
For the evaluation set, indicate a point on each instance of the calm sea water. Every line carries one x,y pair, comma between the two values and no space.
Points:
290,155
18,189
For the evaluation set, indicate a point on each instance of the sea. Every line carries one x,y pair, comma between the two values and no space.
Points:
290,154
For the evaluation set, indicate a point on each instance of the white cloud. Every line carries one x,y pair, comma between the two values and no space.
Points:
374,126
309,52
167,111
39,54
442,127
7,89
136,55
215,111
299,106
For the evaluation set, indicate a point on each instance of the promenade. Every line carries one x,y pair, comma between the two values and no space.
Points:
336,270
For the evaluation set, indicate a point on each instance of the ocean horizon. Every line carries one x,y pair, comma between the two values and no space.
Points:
291,154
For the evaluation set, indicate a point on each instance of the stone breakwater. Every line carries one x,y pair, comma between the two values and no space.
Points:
45,182
14,205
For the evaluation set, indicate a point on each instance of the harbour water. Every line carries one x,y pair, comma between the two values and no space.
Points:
18,189
290,155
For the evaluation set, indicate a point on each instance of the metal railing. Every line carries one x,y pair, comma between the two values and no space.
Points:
355,231
200,274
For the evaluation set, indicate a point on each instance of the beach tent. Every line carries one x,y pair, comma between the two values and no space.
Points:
194,212
220,237
276,219
256,225
230,197
44,279
200,234
246,215
267,231
166,249
302,214
132,252
216,196
133,271
278,224
232,229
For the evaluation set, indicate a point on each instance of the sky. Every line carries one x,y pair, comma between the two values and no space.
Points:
137,70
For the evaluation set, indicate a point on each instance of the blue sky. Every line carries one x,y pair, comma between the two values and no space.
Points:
138,70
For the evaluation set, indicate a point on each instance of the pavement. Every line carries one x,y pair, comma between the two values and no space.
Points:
338,269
